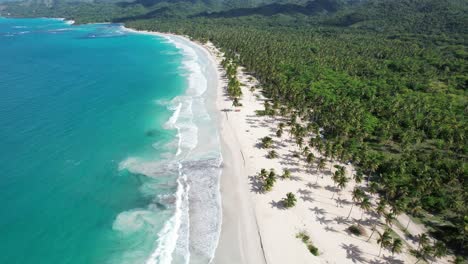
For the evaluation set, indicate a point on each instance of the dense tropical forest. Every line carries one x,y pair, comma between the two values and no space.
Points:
385,82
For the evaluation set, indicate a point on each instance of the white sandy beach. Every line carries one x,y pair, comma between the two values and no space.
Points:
316,213
255,226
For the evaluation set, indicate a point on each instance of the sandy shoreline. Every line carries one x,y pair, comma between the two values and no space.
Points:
239,240
256,228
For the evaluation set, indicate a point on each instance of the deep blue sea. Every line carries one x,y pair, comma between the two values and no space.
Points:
100,147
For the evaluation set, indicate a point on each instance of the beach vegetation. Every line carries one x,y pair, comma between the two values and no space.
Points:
313,249
384,240
272,154
305,238
269,181
396,246
286,174
267,142
356,230
382,83
290,200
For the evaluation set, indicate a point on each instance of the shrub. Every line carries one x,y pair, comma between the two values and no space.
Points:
303,236
313,249
290,200
272,154
356,230
267,142
286,174
306,240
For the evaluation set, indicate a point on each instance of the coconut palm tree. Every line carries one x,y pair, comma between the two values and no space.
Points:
279,133
389,217
306,151
384,240
269,181
310,159
396,246
357,195
267,142
380,210
365,206
336,178
423,253
263,174
286,174
423,240
414,210
342,181
320,167
358,176
440,250
290,200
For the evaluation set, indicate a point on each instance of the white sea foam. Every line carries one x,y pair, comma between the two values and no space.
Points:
196,217
169,234
133,221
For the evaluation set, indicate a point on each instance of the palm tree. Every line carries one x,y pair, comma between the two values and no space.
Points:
306,151
423,240
279,133
384,240
380,210
440,250
267,142
299,142
358,176
397,246
342,181
272,154
290,200
357,194
310,159
269,181
286,174
389,217
422,253
336,178
415,209
365,206
263,174
320,167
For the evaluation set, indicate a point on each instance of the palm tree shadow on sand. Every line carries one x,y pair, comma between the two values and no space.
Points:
277,205
256,185
354,253
393,260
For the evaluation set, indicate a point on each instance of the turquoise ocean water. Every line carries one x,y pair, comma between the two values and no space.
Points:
102,156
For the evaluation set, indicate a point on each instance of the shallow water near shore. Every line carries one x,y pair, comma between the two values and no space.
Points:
110,151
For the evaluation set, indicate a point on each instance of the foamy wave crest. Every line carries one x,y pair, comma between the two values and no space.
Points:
192,231
135,220
169,234
149,168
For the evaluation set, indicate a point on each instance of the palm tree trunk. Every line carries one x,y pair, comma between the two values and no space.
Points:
380,250
373,230
407,225
350,211
316,180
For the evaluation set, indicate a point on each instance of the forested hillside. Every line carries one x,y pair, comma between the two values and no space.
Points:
386,80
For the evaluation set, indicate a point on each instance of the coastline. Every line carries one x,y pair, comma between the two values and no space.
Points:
239,238
256,228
